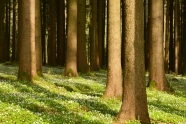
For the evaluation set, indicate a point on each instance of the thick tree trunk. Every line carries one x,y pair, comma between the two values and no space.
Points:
71,56
27,63
156,71
184,39
114,76
81,39
134,104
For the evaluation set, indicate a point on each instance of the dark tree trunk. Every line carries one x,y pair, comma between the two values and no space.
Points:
61,33
2,35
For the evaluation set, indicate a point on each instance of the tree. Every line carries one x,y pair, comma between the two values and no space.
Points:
2,38
184,39
134,104
38,46
27,60
114,74
71,54
81,39
156,70
61,33
52,33
94,54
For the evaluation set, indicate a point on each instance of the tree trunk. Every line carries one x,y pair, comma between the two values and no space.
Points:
167,37
114,76
94,54
61,33
38,46
177,36
184,39
27,63
171,47
156,71
52,34
71,56
14,32
2,37
134,104
81,39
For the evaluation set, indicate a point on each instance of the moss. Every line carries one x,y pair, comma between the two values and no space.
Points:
24,76
70,73
153,84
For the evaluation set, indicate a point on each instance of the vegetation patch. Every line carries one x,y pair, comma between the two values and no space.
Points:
56,99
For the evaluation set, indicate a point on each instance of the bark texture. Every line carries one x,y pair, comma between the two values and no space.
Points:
27,63
156,72
2,38
114,76
134,104
71,56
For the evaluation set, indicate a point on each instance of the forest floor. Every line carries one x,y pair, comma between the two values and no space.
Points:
56,99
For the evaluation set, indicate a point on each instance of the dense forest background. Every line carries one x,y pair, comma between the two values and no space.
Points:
128,38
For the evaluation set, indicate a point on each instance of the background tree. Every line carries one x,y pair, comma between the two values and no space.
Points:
156,71
81,37
114,75
2,36
38,46
27,60
134,104
71,55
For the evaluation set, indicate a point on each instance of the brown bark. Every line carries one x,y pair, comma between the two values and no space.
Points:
2,38
134,104
81,37
184,39
167,37
71,56
171,45
27,63
177,37
114,75
38,47
101,30
94,54
14,32
52,34
156,71
61,33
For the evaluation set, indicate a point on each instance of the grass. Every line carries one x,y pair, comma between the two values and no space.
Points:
56,99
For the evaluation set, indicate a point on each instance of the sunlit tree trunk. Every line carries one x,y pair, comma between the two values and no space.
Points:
71,55
114,75
156,71
27,63
134,104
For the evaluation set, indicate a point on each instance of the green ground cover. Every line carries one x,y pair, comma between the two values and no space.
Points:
56,99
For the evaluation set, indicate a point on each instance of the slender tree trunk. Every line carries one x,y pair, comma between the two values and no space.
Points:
81,39
38,46
94,54
114,76
71,56
14,31
167,37
43,29
2,35
184,39
27,63
134,104
171,47
101,30
7,32
52,34
157,74
61,33
177,36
